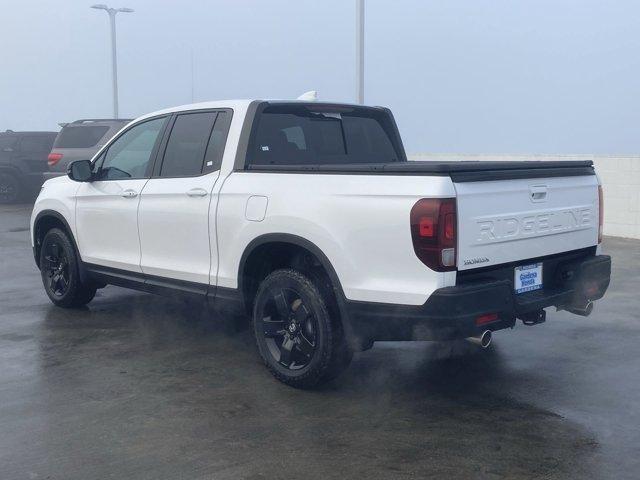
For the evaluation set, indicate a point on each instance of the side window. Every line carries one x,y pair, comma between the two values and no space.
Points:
35,144
217,142
187,144
129,155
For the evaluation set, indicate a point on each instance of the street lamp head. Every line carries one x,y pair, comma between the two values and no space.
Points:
114,59
102,6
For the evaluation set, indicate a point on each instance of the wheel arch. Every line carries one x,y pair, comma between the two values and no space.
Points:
298,245
45,221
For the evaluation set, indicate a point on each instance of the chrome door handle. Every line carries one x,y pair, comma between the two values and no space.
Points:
129,193
197,192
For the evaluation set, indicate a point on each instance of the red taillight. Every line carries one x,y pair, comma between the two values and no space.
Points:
600,213
450,226
486,318
53,158
433,232
426,227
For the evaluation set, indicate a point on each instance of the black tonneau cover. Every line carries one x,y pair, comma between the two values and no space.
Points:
459,171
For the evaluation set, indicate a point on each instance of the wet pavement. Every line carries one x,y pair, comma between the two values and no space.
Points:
144,387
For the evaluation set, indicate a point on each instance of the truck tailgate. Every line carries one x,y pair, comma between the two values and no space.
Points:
501,221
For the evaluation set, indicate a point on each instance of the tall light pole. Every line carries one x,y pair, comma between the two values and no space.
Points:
360,51
192,96
114,56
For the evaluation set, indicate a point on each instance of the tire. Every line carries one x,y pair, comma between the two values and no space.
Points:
299,339
10,188
59,269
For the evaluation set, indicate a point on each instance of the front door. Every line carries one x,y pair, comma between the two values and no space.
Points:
107,207
176,202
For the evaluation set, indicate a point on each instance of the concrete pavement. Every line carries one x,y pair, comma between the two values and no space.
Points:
145,387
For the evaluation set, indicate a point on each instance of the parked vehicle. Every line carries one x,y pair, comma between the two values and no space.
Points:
23,159
309,218
80,140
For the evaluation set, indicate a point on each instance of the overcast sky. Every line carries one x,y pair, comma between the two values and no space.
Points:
469,76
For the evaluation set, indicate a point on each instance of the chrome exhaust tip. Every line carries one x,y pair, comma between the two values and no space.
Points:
583,310
483,340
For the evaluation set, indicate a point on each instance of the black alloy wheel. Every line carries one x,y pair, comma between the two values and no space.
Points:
298,330
59,269
289,328
56,269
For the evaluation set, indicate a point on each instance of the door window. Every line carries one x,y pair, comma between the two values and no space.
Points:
217,141
187,145
129,156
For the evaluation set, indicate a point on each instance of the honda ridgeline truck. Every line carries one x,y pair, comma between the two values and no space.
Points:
308,218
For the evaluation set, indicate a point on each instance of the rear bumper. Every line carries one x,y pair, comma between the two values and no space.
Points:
451,312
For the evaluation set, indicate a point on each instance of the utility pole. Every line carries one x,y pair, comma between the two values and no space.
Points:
114,55
192,79
360,51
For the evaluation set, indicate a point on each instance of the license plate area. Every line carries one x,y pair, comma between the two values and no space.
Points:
527,277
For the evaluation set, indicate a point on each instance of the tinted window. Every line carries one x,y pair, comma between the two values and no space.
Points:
80,136
184,155
39,144
129,155
217,141
322,135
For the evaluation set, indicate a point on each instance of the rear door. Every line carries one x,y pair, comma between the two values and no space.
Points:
505,221
175,204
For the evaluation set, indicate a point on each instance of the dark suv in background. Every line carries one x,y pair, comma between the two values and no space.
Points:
80,140
23,161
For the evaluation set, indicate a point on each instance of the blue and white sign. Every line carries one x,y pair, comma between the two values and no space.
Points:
528,278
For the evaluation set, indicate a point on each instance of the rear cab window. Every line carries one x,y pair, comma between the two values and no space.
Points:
310,134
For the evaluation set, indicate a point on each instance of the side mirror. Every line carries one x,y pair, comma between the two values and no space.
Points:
80,171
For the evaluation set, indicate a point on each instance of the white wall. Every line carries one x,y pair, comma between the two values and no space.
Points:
620,176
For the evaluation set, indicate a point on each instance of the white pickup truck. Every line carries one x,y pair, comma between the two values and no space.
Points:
308,217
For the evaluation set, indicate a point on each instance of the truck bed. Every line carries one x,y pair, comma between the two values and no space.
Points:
459,171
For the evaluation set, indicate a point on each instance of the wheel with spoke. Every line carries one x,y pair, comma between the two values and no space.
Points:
299,340
10,188
59,271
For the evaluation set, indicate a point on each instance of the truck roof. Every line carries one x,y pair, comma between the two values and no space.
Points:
240,104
